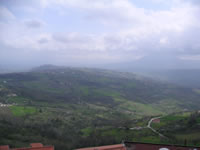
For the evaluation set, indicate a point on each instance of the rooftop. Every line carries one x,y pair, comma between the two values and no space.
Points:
109,147
34,146
141,146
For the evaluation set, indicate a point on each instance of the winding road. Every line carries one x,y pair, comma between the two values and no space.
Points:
149,126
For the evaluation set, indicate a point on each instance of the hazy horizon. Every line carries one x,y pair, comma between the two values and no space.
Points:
147,34
116,70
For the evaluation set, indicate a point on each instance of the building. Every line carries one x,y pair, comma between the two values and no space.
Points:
156,120
145,146
141,146
109,147
34,146
123,146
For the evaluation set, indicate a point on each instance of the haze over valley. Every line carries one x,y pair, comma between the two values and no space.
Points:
88,73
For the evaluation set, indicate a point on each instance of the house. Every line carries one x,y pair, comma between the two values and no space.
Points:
4,147
141,146
109,147
5,105
156,120
34,146
146,146
12,95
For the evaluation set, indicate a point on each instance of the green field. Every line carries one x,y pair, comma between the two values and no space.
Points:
23,110
93,106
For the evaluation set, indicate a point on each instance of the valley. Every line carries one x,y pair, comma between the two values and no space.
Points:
82,107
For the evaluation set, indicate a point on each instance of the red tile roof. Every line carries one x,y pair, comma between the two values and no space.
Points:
4,147
141,146
34,146
145,146
110,147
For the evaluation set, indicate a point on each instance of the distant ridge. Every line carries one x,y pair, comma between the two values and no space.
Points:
47,67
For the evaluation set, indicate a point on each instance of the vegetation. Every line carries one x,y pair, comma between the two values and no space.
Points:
22,110
80,107
181,127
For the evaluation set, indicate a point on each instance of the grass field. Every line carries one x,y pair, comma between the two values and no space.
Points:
170,119
197,91
138,108
189,136
18,100
22,110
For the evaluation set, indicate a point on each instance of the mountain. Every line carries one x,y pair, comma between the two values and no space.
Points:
55,105
183,77
11,69
97,86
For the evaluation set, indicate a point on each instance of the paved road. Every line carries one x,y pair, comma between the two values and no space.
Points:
149,126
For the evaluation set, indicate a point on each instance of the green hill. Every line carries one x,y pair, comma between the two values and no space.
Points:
57,104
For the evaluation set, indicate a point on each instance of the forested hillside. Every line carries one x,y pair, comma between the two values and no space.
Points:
79,107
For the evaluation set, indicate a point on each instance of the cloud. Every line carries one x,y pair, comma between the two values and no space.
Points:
34,23
123,31
6,14
136,26
43,40
192,1
190,57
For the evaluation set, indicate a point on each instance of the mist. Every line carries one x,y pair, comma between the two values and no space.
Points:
120,34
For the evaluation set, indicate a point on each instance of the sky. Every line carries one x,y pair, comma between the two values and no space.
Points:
142,33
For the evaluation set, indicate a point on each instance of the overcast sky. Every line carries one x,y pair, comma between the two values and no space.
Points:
94,32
